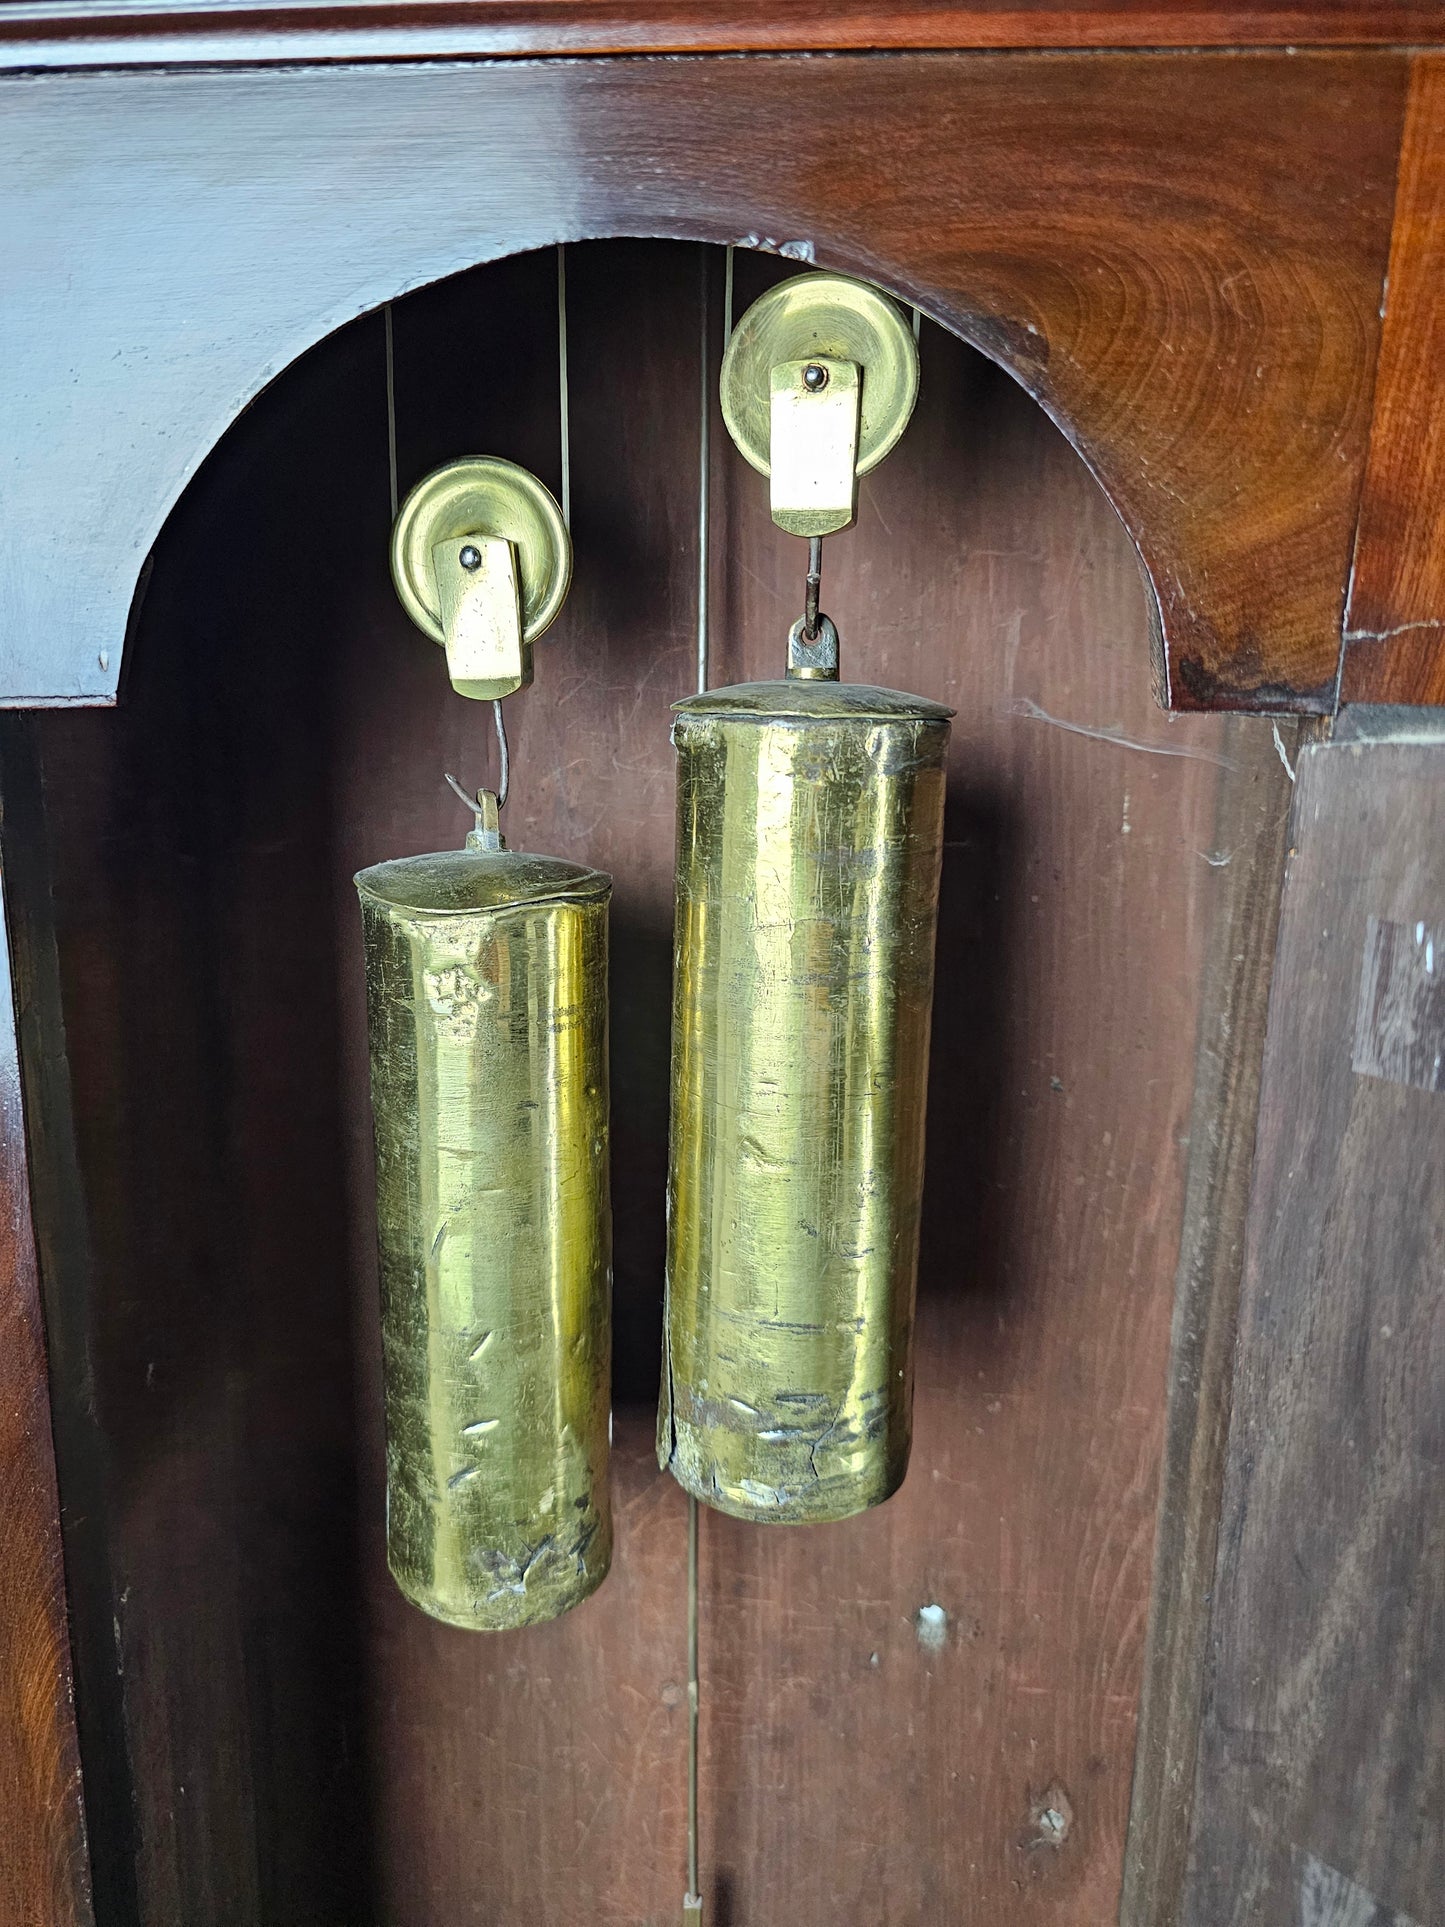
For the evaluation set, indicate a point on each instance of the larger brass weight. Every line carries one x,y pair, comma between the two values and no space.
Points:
809,839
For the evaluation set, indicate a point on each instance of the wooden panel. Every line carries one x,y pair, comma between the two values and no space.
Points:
34,33
44,1872
1395,625
1320,1784
1205,335
341,1757
1252,816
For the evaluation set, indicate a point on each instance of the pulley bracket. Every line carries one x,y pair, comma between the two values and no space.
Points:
481,615
813,445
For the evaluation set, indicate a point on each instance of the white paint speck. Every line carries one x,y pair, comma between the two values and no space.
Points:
1419,933
1429,956
1326,1896
931,1623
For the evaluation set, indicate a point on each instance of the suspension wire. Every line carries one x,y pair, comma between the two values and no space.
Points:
563,404
390,408
502,768
564,437
692,1903
470,801
704,481
504,761
474,803
692,1900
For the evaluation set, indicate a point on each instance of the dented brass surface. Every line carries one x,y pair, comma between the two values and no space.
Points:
487,988
810,823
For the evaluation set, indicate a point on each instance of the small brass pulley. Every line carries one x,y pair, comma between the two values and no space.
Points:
818,383
482,561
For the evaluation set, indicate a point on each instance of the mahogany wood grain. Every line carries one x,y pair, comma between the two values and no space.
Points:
44,1870
1395,624
1180,257
341,1757
36,34
1321,1776
1252,815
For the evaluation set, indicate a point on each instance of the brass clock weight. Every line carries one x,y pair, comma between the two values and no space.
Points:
809,841
486,974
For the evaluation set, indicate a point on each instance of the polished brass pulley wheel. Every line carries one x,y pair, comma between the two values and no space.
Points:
830,316
482,495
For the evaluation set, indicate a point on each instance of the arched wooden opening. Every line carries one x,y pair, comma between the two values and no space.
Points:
1209,350
270,1732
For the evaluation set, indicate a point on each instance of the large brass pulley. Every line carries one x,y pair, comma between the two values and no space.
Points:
817,385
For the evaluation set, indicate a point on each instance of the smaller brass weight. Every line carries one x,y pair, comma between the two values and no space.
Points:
486,975
809,842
